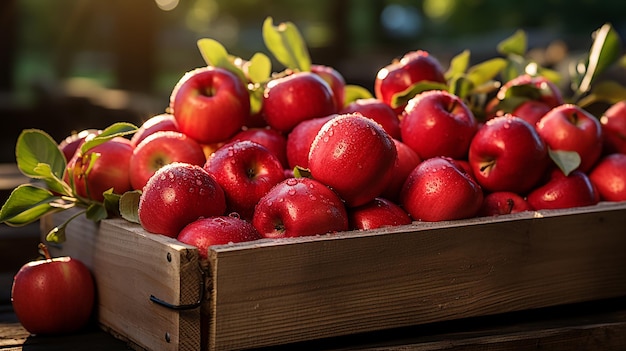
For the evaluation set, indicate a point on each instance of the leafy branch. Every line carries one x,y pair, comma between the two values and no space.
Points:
39,157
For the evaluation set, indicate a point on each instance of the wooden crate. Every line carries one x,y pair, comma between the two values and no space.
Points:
272,292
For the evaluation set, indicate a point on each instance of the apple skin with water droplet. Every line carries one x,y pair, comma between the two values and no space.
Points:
609,177
354,156
613,122
111,169
159,149
438,123
414,67
378,111
570,128
53,295
299,207
296,97
561,191
507,154
246,171
378,213
299,140
502,203
272,139
439,190
157,123
210,104
218,230
176,195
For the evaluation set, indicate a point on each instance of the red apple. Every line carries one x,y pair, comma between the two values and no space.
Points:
438,123
111,169
159,149
613,123
527,97
177,195
561,191
354,156
399,77
245,171
210,104
377,213
71,143
294,98
438,190
299,140
609,177
503,202
406,161
53,295
272,139
378,111
162,122
531,111
217,230
335,81
299,207
537,88
507,154
570,128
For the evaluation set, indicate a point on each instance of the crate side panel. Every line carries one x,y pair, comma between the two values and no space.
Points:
275,294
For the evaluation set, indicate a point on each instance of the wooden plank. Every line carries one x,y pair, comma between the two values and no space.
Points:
273,292
129,266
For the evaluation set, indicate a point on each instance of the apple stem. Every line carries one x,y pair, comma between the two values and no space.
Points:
45,251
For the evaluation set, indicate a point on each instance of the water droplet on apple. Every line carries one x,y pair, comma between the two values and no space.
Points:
191,190
291,192
292,181
325,139
312,197
236,215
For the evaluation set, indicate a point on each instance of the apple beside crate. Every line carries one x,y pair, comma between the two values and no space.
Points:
272,292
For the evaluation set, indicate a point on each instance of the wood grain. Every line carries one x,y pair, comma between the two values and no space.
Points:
273,292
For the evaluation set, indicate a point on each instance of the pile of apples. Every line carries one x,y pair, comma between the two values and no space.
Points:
244,152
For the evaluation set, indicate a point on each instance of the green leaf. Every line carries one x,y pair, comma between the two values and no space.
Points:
35,147
301,172
401,98
458,65
606,91
118,129
486,71
528,91
605,51
259,68
129,205
27,203
96,212
355,92
57,234
52,182
216,55
461,86
213,52
516,44
287,45
567,161
111,203
256,98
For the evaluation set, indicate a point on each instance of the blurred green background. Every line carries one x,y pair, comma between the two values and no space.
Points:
73,64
